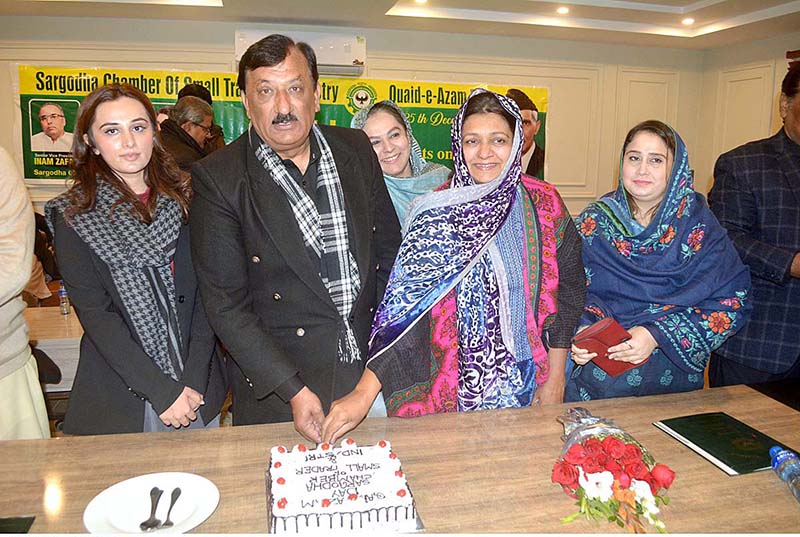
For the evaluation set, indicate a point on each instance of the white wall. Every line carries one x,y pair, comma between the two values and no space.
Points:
743,85
598,90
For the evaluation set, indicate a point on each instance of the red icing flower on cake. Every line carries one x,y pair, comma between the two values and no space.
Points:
353,497
326,502
280,481
349,441
282,503
392,455
301,448
277,464
401,492
382,443
281,449
398,473
325,446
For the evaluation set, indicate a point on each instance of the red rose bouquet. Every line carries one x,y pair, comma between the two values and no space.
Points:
609,473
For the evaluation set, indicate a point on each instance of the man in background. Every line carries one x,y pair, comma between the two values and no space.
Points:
53,137
216,138
756,197
532,154
187,130
163,113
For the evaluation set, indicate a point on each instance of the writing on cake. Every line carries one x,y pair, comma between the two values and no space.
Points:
350,487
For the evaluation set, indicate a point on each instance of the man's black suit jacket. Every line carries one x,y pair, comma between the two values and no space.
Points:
756,197
536,164
263,295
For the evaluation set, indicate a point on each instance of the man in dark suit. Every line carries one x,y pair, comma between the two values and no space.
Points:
293,237
532,154
216,138
756,196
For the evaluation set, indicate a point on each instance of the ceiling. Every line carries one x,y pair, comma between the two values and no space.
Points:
717,23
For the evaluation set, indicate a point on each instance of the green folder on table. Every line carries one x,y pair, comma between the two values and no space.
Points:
16,524
733,446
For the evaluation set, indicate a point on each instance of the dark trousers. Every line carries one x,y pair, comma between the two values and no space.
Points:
723,372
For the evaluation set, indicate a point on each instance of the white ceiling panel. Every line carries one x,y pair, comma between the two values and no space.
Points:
716,23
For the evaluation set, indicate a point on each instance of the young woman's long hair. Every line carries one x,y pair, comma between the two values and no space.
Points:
161,174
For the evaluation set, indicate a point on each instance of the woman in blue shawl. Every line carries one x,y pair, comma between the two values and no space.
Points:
657,261
406,173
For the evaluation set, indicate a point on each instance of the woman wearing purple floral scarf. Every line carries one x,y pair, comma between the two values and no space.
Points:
486,290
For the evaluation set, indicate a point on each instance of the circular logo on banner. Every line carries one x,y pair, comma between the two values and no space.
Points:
360,96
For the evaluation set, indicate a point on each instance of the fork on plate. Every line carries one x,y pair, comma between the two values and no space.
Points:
152,523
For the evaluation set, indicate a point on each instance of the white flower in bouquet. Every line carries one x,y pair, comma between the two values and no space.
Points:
644,496
597,485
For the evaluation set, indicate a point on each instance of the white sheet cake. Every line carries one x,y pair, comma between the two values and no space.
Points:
353,488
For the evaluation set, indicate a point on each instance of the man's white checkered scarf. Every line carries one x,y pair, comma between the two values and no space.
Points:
324,231
138,256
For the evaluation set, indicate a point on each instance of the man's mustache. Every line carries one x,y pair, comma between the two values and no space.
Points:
284,118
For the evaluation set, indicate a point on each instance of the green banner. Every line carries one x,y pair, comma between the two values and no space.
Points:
50,97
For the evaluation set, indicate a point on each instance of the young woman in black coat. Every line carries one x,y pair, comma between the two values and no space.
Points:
148,359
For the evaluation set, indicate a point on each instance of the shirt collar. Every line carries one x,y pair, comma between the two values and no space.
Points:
255,140
315,153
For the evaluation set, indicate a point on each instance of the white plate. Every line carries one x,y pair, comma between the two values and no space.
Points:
122,507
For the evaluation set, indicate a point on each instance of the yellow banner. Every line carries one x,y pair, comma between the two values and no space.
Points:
69,81
414,94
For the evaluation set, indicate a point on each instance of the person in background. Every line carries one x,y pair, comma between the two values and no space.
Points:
293,237
216,138
22,411
659,263
44,265
148,358
532,154
756,196
406,173
486,290
53,136
36,289
43,249
185,132
163,113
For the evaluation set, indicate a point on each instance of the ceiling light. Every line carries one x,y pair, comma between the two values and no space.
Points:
421,1
562,10
688,21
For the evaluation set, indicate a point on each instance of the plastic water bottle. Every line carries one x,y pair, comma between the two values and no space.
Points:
787,465
63,299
